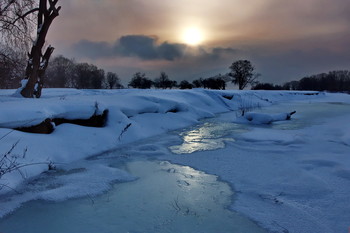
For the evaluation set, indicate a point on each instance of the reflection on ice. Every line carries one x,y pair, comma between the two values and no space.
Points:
209,136
165,198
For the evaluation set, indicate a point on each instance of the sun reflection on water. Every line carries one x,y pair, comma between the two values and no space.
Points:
209,136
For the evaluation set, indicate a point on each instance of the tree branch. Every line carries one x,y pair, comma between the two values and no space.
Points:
7,6
25,15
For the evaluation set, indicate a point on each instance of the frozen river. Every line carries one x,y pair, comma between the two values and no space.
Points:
148,193
164,198
155,196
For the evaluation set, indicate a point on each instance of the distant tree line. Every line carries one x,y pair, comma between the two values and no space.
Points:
217,82
140,81
66,73
62,73
334,81
269,86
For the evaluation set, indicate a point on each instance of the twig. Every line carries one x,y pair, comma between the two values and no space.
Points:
4,185
123,131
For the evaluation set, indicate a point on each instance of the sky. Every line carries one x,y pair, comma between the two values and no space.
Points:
189,39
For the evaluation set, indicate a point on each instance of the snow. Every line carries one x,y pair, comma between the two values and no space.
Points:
288,174
23,85
263,118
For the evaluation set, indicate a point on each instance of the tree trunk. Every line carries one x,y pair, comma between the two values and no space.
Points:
37,63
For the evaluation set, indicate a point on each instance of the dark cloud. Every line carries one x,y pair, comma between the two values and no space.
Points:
171,51
147,48
140,46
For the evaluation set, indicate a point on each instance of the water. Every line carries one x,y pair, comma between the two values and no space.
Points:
165,198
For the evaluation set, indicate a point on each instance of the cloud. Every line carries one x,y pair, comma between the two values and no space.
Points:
147,48
140,46
171,51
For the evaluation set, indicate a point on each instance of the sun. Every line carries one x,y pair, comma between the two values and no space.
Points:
192,36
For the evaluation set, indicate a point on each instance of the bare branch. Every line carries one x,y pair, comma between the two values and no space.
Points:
16,22
25,15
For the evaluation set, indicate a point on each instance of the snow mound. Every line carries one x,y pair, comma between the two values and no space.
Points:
263,118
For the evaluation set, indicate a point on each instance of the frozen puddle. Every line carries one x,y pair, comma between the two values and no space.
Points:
165,198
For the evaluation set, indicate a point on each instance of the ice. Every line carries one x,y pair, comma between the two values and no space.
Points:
207,136
83,178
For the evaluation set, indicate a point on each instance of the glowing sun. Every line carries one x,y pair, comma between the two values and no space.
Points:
192,36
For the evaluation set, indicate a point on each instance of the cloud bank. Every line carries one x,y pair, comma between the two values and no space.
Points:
146,48
143,47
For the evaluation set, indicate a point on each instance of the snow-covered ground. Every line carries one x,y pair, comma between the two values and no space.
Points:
289,176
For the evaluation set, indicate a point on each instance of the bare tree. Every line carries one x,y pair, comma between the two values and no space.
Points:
242,72
140,81
164,82
16,22
60,73
37,62
113,80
